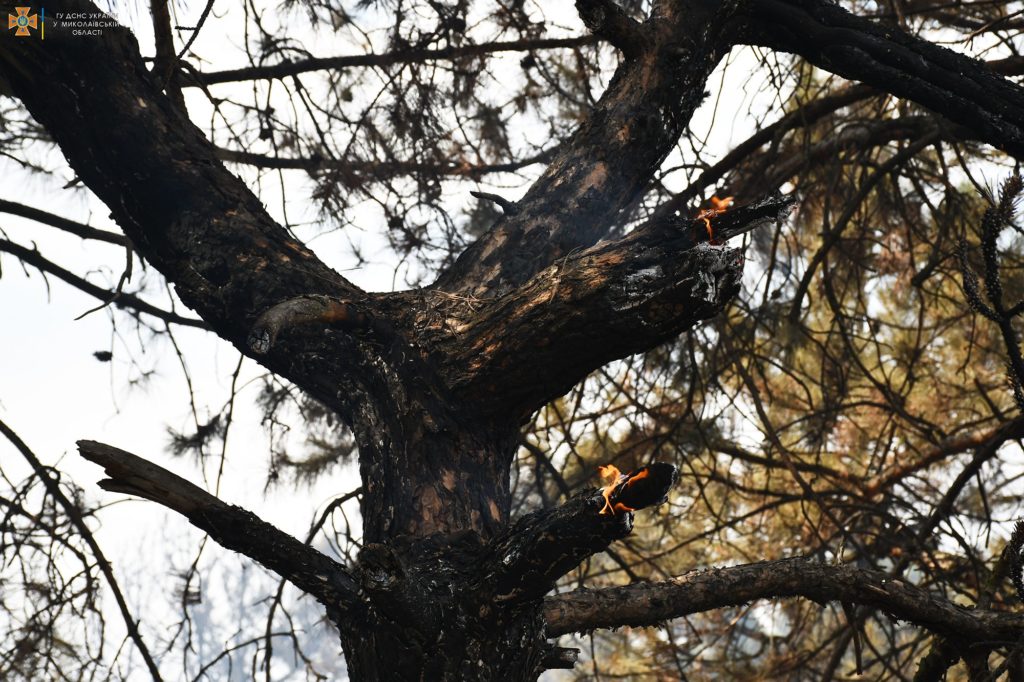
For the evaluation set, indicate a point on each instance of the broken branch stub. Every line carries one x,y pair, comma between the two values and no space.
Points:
302,310
541,547
645,487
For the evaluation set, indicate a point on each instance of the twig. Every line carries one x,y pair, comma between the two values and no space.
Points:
126,276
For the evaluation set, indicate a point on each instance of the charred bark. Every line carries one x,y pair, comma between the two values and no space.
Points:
447,606
453,607
436,382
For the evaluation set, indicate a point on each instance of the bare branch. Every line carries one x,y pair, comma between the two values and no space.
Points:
233,527
74,513
61,223
166,61
355,171
122,300
286,69
507,207
650,603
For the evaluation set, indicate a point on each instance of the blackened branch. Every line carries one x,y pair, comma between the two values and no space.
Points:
739,220
600,304
883,55
611,157
129,302
539,548
233,527
607,20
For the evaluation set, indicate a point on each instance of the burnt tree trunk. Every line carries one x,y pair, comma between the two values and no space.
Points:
437,382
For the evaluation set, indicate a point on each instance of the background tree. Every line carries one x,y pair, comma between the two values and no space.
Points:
846,407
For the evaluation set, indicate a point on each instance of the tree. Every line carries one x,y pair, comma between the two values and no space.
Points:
599,260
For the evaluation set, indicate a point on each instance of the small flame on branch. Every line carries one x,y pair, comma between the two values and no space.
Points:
614,479
718,207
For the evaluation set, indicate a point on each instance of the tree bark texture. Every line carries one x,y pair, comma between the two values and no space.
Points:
436,382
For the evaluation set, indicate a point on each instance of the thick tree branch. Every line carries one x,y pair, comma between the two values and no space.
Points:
233,527
608,161
958,87
607,302
649,603
198,224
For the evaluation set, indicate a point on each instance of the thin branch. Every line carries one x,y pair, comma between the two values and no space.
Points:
166,62
196,29
126,276
126,301
70,226
75,515
286,69
380,170
832,237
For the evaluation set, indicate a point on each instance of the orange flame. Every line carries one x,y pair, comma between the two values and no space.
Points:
718,207
611,474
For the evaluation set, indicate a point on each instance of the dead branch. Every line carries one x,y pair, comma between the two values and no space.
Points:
964,90
233,527
649,603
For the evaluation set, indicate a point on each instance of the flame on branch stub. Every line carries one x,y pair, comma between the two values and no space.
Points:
644,487
718,207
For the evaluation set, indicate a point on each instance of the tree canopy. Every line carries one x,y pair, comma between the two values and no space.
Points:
479,250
